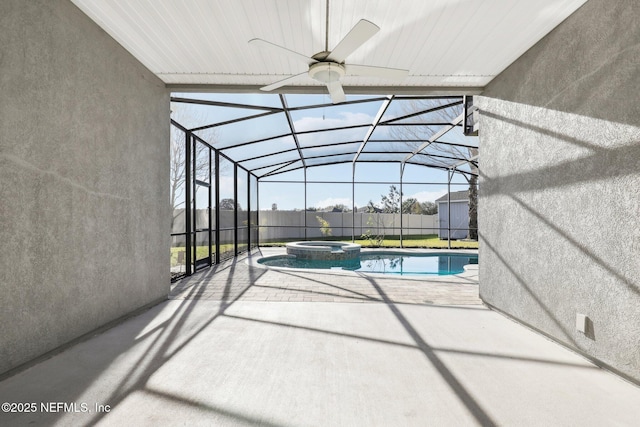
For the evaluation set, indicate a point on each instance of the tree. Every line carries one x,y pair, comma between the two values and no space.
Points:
325,227
376,231
340,207
413,133
228,205
178,169
391,202
372,207
178,154
429,208
411,206
177,164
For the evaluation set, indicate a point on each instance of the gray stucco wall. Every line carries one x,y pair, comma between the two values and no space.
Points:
560,187
84,131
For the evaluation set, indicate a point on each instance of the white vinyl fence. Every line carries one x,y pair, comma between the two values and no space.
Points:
281,225
286,225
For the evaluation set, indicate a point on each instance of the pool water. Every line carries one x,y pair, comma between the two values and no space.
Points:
383,262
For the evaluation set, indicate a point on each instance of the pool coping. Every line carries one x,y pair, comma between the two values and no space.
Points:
320,246
470,270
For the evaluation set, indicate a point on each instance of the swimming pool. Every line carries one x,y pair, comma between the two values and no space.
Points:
436,263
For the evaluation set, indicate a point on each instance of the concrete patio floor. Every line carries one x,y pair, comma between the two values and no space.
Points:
241,345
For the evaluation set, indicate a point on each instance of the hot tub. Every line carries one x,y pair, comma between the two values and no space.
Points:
324,250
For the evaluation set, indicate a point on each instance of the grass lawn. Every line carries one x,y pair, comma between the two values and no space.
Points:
422,241
201,252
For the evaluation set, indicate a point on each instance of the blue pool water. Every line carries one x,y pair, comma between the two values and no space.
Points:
383,262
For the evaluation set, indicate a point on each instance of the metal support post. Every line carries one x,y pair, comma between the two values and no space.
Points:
353,202
217,205
235,209
401,223
187,201
210,216
450,176
304,221
248,212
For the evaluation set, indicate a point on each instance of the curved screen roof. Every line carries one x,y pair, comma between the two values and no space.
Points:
270,134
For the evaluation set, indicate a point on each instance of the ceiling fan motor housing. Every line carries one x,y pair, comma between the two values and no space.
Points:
326,72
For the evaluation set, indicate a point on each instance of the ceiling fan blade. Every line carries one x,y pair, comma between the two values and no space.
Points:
369,71
283,82
336,92
282,50
359,34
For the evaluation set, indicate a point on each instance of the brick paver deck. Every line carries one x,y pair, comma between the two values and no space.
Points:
236,280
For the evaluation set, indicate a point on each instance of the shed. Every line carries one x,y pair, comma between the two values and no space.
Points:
459,215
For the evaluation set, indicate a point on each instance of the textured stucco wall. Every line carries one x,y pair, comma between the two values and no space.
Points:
84,156
560,187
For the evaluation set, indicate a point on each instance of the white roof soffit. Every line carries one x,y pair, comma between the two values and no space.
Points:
448,46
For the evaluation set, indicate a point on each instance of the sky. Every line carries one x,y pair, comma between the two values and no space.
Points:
326,192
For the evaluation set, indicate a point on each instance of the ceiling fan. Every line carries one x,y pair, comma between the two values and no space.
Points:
328,67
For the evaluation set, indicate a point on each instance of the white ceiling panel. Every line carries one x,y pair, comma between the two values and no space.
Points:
450,44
